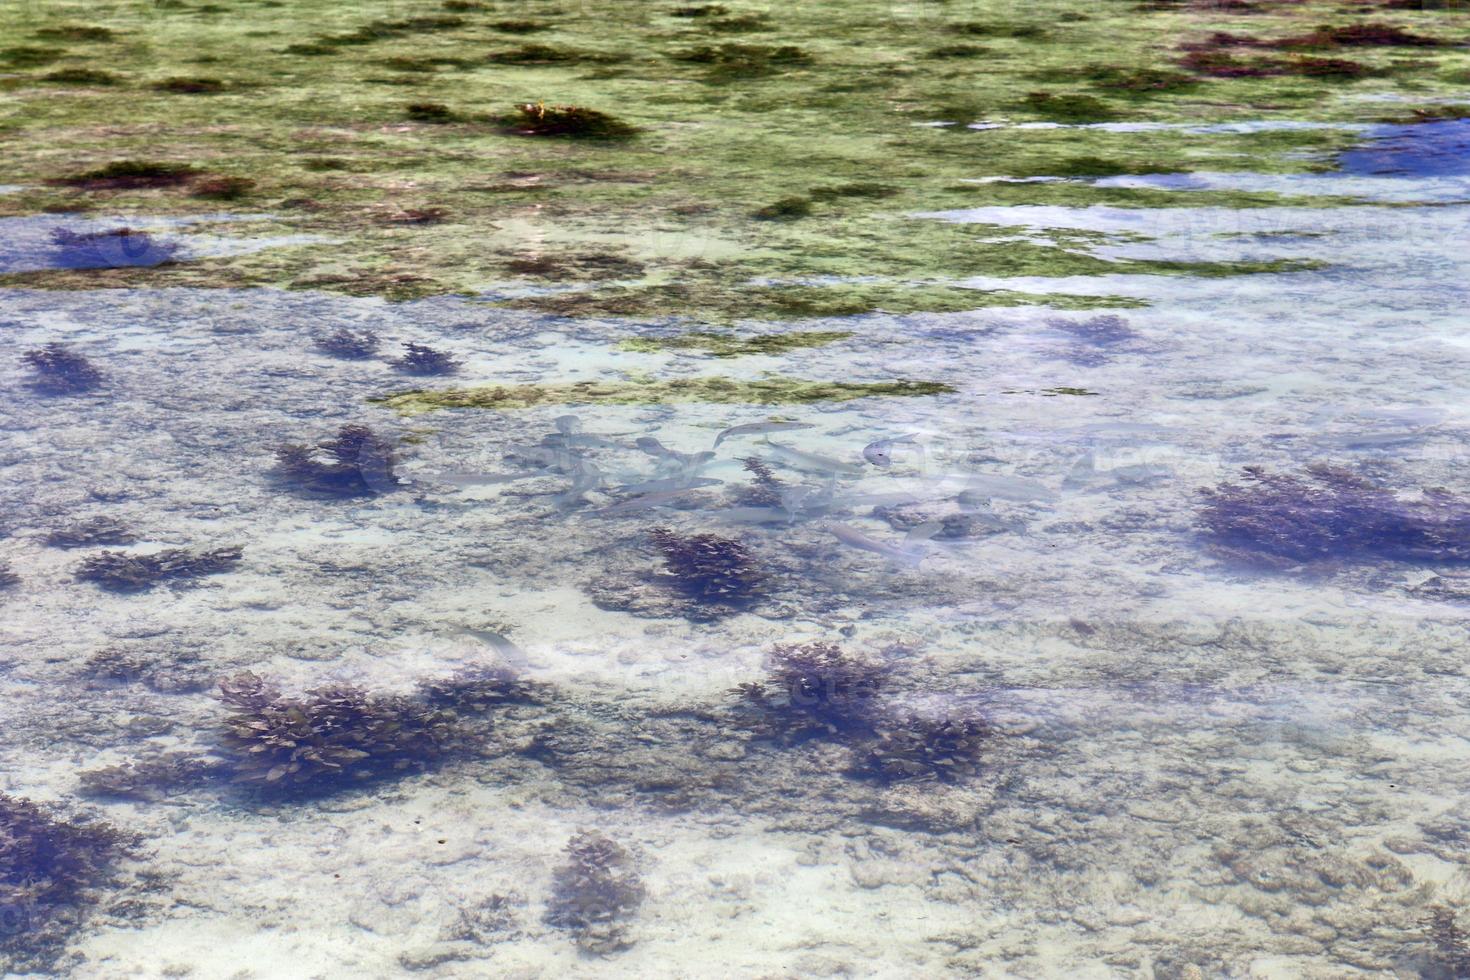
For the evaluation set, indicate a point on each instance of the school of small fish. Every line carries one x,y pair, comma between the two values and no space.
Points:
813,487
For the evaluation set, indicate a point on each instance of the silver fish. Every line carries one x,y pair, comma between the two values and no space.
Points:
880,452
464,480
802,459
877,499
671,483
923,532
854,538
753,515
757,428
512,654
652,446
581,440
997,486
643,502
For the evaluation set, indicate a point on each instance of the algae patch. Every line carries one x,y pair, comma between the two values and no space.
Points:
728,345
714,390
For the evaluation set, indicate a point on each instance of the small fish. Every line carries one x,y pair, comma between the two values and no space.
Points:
580,440
880,453
643,502
877,499
465,480
802,459
997,486
1371,440
753,515
652,446
923,532
757,428
513,654
671,483
688,461
854,538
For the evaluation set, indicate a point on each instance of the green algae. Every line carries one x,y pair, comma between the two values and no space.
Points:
721,391
730,345
724,303
796,107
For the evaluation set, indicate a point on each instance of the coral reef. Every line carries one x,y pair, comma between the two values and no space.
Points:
1331,514
418,359
61,371
357,463
575,122
709,568
118,571
348,344
90,533
595,894
49,866
327,737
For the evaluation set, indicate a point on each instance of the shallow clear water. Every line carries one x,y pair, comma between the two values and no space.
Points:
1191,764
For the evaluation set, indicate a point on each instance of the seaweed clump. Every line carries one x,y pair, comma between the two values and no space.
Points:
328,736
818,690
348,344
223,188
132,174
418,359
190,86
729,62
151,779
1448,955
61,371
815,689
595,893
1331,514
81,76
89,533
786,209
429,112
118,571
48,868
357,463
571,121
765,488
920,748
711,569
